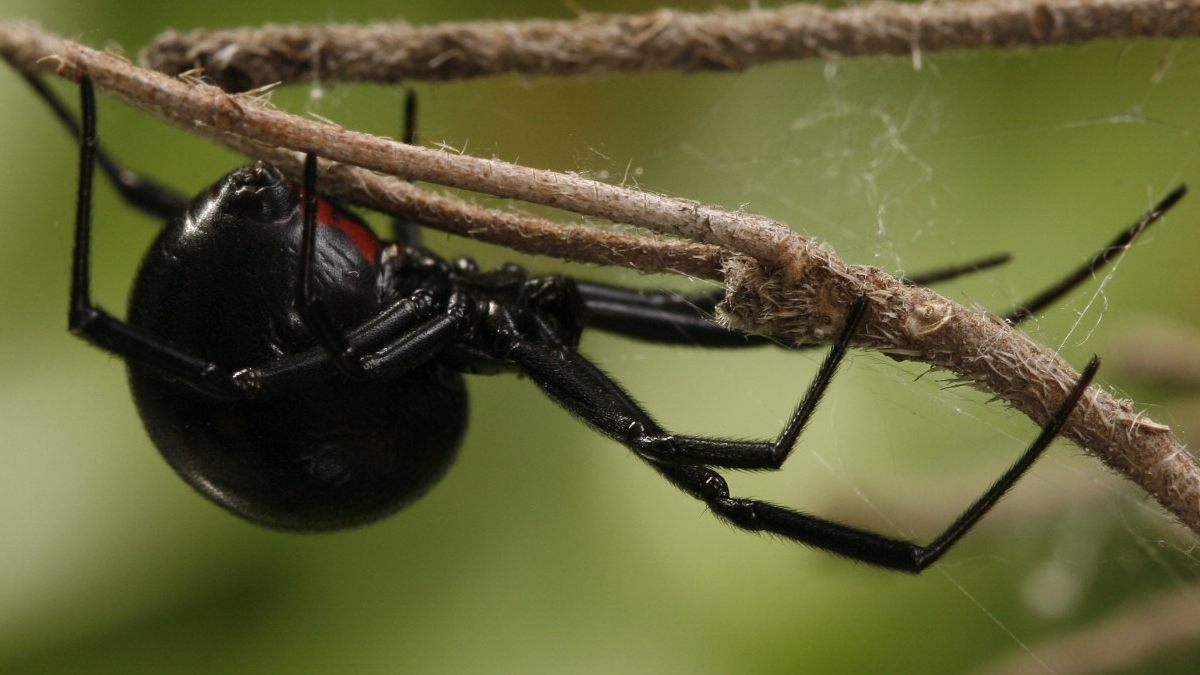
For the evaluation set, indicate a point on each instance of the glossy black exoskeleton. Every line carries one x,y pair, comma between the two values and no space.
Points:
306,375
333,453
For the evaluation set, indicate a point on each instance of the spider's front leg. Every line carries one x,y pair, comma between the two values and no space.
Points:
579,386
583,389
403,336
671,449
856,543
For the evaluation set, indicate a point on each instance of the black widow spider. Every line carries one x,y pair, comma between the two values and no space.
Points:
305,375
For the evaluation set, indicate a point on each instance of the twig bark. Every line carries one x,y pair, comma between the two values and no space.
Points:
779,283
26,45
244,58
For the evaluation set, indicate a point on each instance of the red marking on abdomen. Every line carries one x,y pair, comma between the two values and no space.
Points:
364,240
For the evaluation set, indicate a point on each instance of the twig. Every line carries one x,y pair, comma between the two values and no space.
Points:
524,233
782,284
26,44
217,114
245,58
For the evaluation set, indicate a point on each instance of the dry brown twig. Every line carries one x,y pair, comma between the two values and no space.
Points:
777,281
243,58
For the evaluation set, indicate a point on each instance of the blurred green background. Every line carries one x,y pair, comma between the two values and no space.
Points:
547,548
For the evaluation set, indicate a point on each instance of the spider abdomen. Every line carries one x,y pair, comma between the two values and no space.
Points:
340,455
220,283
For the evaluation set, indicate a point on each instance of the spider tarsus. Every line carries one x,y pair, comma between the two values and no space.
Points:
955,271
929,554
1171,199
1117,246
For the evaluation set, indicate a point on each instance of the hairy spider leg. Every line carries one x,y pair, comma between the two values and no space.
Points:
1115,248
580,387
864,545
583,389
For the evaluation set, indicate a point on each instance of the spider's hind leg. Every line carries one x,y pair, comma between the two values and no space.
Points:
856,543
91,322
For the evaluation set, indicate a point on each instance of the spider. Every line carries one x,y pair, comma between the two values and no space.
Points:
305,375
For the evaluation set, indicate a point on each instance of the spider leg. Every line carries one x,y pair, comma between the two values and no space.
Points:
1116,247
94,324
421,334
583,389
138,191
660,316
310,307
859,544
406,231
419,344
416,345
672,318
930,277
